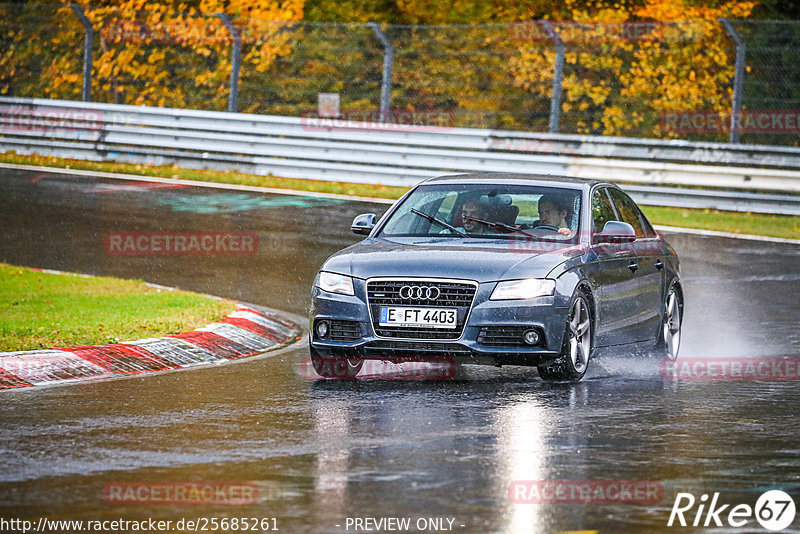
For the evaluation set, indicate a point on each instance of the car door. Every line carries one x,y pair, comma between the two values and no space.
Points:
645,302
612,277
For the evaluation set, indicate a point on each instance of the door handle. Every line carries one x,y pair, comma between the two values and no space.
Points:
633,266
659,265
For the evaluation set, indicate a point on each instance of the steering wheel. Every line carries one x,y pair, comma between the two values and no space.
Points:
546,227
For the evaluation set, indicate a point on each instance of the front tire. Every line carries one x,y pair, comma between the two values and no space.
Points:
336,367
576,351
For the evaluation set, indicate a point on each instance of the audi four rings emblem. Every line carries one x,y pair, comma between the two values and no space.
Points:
420,292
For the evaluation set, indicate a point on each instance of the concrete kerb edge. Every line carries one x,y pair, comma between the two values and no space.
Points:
242,336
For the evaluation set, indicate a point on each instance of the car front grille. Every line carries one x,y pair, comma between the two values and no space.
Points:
505,336
452,294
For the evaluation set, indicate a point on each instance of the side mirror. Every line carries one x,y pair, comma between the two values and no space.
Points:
616,232
364,223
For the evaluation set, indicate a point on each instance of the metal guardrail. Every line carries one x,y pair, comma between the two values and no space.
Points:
326,149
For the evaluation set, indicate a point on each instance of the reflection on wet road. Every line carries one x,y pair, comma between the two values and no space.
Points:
321,452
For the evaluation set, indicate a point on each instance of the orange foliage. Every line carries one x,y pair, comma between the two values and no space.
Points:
153,53
617,84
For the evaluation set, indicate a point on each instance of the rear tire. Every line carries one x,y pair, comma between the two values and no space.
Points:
576,350
336,367
669,334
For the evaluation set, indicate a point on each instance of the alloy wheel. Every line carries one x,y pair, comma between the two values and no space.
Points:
580,334
671,326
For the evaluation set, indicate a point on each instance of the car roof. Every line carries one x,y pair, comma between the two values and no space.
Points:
513,178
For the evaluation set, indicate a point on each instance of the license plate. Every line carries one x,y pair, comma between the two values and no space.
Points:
416,317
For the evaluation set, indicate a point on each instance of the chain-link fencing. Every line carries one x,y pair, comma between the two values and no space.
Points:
635,79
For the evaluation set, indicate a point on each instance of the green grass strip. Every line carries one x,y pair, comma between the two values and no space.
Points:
42,310
764,224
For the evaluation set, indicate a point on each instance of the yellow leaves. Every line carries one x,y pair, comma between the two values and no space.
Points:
149,52
156,57
684,66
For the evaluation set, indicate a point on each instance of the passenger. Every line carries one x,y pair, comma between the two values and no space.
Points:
553,210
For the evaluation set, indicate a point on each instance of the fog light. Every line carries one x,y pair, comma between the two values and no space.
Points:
531,337
322,329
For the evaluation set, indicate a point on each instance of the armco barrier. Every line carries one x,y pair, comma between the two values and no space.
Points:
384,153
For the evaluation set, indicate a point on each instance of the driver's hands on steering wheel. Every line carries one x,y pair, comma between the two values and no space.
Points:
563,231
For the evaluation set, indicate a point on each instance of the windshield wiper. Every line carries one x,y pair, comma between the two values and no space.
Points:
500,225
433,219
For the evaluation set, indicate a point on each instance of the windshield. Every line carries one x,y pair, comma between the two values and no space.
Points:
488,211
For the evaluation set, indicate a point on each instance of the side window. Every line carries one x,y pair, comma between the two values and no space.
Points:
648,228
628,211
602,210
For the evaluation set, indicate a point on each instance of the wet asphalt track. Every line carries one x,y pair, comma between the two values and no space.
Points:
384,447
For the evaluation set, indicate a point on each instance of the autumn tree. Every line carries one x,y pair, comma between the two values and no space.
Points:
155,53
490,64
618,85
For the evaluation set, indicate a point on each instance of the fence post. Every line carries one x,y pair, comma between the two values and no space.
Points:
88,44
236,62
555,99
738,79
386,80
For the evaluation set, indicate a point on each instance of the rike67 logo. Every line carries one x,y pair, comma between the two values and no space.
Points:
774,510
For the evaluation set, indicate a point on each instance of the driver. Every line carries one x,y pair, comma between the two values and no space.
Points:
473,208
553,211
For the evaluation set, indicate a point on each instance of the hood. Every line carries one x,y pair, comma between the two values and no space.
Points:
471,259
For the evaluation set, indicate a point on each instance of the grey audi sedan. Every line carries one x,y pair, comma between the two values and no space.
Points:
498,269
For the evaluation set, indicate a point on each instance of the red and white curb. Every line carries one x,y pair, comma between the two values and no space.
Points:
247,331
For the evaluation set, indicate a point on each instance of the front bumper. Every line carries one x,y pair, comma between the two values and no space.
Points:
548,315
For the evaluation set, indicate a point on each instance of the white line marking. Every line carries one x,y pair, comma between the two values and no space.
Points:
244,337
263,321
193,183
236,187
176,351
715,233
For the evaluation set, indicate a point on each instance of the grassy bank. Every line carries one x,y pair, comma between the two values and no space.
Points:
725,221
42,310
784,226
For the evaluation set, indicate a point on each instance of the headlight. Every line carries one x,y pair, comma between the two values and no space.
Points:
524,289
335,283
